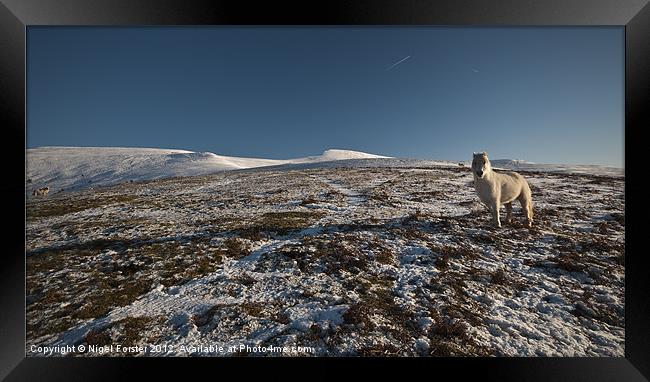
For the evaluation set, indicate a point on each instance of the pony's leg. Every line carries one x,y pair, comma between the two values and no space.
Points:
508,212
495,214
527,208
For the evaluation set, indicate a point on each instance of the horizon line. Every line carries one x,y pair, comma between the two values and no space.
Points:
386,156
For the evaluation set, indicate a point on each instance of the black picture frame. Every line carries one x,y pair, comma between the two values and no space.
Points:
16,15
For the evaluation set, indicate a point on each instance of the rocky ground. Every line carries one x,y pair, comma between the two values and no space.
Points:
341,261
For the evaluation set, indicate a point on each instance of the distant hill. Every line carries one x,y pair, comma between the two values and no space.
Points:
74,168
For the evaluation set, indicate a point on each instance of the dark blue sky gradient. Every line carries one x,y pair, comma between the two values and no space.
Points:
551,95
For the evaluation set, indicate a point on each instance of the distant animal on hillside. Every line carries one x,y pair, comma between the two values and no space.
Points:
495,189
41,191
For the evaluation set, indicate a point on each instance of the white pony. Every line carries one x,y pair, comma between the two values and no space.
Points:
495,189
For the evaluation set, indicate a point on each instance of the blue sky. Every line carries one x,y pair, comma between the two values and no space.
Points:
548,95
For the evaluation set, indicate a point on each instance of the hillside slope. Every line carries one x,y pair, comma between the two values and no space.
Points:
74,168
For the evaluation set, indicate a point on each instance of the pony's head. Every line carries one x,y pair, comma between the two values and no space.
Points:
480,164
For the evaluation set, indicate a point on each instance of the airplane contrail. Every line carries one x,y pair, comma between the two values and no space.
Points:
398,62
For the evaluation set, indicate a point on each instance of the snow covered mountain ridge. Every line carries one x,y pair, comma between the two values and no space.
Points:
74,168
522,165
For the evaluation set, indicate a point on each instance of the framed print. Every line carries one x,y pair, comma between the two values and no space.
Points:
441,183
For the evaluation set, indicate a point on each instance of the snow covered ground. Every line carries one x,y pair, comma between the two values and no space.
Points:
354,257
